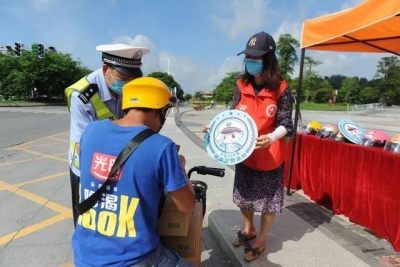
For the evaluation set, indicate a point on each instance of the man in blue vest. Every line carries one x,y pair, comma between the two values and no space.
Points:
97,97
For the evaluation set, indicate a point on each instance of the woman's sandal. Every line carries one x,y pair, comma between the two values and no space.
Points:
242,238
251,253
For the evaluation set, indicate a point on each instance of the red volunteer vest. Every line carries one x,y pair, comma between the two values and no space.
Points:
262,108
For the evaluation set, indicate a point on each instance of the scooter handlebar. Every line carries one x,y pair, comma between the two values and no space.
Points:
203,170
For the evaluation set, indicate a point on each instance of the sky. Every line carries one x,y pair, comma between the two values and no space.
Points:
197,39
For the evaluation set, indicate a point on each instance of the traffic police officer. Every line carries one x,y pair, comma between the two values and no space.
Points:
98,96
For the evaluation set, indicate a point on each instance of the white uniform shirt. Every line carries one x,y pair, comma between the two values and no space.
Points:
82,114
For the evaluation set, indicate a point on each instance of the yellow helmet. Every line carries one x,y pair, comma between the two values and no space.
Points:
313,127
146,92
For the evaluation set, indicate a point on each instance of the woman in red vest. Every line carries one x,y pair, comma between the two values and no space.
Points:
264,95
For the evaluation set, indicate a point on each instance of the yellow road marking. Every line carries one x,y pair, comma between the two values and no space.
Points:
46,144
17,161
34,141
41,179
58,139
33,228
60,154
27,160
40,154
64,213
35,198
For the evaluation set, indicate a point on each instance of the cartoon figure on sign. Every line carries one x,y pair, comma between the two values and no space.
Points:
351,129
230,132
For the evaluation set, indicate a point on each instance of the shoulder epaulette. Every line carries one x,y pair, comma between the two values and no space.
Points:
86,94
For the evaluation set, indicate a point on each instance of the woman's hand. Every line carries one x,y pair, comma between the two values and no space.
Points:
263,141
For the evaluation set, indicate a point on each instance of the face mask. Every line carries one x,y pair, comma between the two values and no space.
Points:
254,66
117,85
163,117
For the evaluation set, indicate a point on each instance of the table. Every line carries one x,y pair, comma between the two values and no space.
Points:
362,183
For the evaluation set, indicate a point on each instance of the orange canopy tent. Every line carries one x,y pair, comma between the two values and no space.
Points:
372,26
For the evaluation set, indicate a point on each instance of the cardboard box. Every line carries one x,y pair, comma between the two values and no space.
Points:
188,247
172,221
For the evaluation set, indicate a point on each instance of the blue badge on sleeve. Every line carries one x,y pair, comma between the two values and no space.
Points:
231,137
352,131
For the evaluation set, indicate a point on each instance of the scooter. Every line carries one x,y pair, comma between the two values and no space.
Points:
200,187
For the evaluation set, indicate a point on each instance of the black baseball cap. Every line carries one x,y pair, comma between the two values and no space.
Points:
259,44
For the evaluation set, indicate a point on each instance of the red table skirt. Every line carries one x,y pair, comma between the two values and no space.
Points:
362,183
295,181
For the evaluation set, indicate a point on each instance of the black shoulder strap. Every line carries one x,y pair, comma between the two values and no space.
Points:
88,203
87,94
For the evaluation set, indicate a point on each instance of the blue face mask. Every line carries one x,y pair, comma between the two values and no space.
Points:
254,66
117,85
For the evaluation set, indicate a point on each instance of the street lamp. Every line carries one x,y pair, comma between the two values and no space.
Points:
167,59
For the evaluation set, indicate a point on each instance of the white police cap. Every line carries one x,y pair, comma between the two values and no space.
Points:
126,59
231,126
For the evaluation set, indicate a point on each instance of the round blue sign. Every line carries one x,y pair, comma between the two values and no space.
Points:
352,131
231,137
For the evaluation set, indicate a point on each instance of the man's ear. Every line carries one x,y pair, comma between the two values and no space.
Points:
105,68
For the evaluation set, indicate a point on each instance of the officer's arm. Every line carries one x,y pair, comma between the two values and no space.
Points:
80,118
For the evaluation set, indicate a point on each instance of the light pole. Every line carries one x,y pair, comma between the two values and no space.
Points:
167,59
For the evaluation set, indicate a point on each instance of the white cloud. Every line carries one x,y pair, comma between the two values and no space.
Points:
247,16
191,76
291,27
348,64
151,61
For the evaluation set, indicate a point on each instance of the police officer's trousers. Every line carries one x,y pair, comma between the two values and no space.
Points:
74,179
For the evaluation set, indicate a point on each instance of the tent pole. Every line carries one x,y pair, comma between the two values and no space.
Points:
296,118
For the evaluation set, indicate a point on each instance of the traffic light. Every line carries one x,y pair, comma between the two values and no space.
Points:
52,49
41,50
35,48
18,51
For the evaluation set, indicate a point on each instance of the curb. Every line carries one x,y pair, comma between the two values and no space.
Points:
32,105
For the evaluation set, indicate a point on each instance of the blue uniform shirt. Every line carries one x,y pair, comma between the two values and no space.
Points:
82,114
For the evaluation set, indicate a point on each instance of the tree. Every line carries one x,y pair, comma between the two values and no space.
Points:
50,75
170,82
187,97
311,78
287,56
309,63
198,96
350,90
335,81
322,95
388,71
226,88
369,95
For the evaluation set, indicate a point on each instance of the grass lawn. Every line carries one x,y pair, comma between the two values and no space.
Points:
321,106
